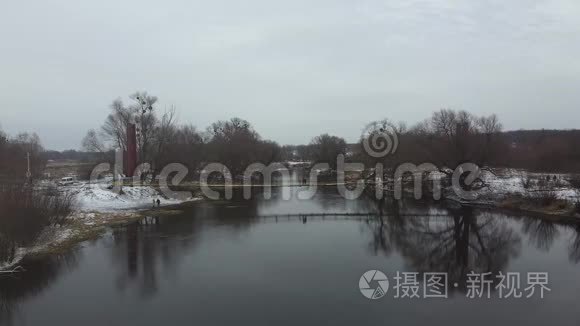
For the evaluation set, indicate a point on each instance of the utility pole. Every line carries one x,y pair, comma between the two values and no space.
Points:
28,173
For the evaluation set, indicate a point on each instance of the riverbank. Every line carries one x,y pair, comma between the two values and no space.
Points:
100,209
96,207
556,208
84,226
552,196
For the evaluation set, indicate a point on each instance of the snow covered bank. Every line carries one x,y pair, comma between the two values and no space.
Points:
51,236
97,198
96,207
79,226
527,184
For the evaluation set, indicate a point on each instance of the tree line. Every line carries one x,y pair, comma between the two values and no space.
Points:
447,138
25,211
14,153
161,139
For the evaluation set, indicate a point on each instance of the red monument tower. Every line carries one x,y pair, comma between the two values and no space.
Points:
130,157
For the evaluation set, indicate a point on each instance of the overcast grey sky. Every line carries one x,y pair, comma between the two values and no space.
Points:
294,69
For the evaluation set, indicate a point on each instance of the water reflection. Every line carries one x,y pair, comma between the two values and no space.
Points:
144,256
385,229
456,244
574,248
460,244
152,248
38,276
541,233
145,249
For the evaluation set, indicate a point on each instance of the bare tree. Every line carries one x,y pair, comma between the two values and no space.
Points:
326,148
269,152
3,137
142,113
184,145
379,136
92,142
236,144
450,138
115,126
146,122
233,143
14,153
164,133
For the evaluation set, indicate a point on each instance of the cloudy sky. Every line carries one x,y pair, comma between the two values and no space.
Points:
294,69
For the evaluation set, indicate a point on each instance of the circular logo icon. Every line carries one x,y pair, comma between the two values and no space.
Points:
373,284
380,139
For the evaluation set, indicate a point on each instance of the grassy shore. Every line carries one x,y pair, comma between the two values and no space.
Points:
77,229
554,209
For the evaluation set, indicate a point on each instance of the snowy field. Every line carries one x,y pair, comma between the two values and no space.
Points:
517,182
502,183
96,197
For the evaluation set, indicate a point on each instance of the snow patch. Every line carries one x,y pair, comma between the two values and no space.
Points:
96,197
513,182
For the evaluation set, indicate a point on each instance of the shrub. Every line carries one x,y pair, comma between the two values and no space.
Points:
545,198
526,180
575,182
25,213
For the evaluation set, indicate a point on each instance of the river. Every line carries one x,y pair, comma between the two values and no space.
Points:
250,263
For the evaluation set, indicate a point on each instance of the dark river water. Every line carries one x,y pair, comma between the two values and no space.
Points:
237,263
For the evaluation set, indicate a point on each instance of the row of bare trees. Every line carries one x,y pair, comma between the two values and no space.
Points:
25,210
447,139
161,139
544,150
25,213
